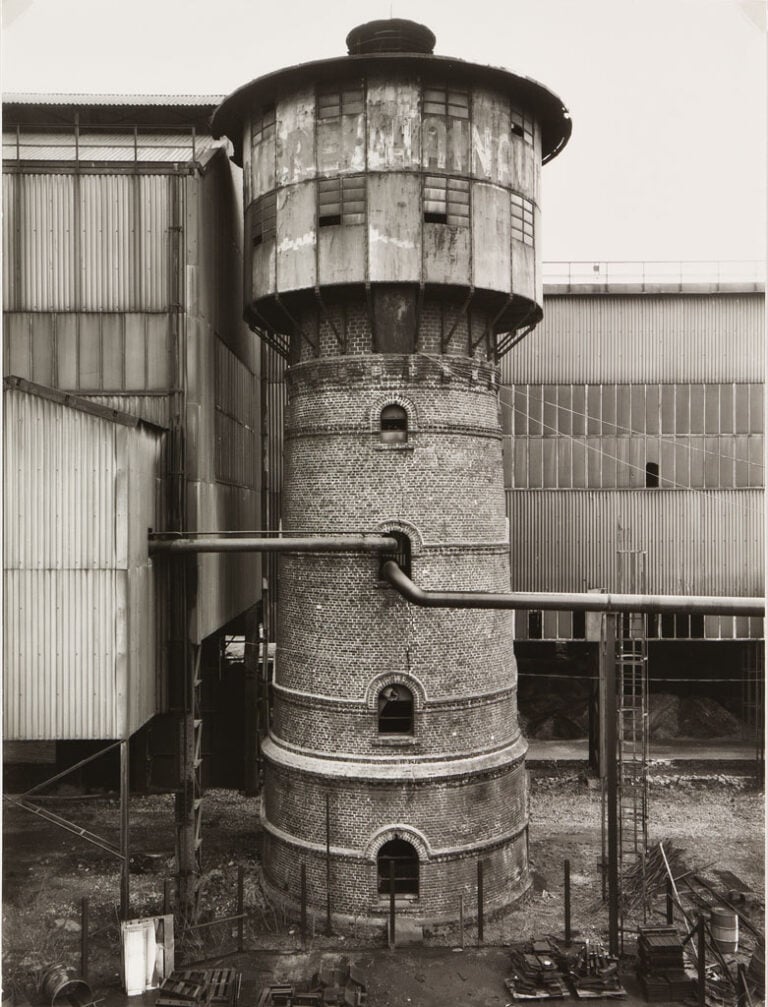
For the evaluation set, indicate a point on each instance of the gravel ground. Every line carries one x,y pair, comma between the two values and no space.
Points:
714,819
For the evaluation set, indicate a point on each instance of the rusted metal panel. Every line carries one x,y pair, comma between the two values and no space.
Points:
491,137
80,493
583,338
295,115
697,542
394,220
341,254
447,253
394,125
296,210
491,237
341,144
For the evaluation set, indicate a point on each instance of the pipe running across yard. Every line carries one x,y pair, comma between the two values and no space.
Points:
576,601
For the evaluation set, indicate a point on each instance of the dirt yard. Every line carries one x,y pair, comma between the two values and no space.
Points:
715,820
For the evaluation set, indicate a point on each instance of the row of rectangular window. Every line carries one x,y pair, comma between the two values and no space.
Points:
343,201
623,410
334,102
665,625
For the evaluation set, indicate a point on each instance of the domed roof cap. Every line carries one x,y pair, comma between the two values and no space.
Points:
393,35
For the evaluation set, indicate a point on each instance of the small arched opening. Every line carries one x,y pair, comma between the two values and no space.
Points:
401,555
398,864
395,710
393,424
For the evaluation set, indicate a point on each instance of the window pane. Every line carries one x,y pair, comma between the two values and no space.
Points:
756,394
741,403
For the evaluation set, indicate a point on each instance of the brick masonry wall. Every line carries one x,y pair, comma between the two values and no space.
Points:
354,888
344,633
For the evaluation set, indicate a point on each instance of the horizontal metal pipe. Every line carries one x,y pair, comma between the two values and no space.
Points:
576,602
321,543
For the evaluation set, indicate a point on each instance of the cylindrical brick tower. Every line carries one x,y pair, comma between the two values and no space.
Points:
391,223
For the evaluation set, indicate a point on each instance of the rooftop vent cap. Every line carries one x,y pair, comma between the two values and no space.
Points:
393,35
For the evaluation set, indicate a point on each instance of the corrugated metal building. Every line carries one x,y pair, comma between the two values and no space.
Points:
122,259
634,423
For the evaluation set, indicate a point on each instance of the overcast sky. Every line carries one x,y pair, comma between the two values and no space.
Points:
668,154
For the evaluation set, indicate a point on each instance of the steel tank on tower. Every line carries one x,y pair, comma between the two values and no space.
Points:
391,234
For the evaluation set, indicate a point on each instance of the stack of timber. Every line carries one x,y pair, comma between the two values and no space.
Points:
535,973
660,965
595,973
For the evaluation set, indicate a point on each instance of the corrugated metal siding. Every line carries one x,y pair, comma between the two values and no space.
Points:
80,493
698,542
59,654
96,242
89,351
237,440
60,469
603,338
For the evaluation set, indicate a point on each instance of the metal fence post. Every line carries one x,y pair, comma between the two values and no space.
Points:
240,907
479,902
84,938
567,900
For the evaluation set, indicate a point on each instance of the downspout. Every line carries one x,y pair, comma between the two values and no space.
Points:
577,602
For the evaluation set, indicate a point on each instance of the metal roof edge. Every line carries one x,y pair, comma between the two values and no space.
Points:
14,383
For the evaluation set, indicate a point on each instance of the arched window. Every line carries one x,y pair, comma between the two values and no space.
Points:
395,710
394,425
406,863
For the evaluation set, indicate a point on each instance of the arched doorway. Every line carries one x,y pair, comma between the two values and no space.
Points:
406,864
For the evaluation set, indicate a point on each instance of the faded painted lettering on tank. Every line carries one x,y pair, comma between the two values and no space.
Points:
393,125
296,138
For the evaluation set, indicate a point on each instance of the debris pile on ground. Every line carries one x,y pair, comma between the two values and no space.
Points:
535,973
595,973
649,877
342,985
660,965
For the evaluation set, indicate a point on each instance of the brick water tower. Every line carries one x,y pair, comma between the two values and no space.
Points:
391,229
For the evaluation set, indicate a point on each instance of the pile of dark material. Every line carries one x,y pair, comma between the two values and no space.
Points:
200,988
660,964
339,986
536,973
595,973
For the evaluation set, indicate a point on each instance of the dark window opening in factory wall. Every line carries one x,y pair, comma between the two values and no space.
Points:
446,200
395,715
652,475
535,625
394,425
406,862
579,625
341,201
